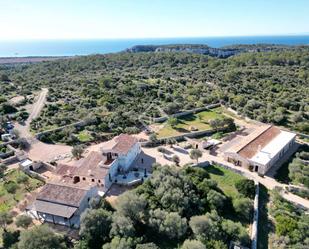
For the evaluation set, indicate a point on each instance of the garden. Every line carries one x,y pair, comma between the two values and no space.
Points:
194,122
14,185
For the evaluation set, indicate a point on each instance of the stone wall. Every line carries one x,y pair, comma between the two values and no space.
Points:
185,113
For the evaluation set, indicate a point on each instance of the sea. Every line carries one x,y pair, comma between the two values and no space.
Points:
37,48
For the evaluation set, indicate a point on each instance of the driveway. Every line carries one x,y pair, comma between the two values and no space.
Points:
39,151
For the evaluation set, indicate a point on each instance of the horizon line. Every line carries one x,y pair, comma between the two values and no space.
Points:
158,38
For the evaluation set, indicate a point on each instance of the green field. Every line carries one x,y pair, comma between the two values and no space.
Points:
199,120
226,179
24,184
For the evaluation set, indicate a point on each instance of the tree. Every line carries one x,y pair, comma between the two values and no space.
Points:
195,154
120,243
193,244
216,199
171,225
10,238
4,77
131,205
147,246
235,231
246,187
122,226
285,225
176,159
77,151
95,227
40,237
153,138
23,143
2,170
11,187
206,227
5,219
23,221
243,207
172,121
215,124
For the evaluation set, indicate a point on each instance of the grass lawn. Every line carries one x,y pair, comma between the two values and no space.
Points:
13,177
199,120
84,136
225,178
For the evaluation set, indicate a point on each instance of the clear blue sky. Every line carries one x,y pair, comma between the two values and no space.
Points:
86,19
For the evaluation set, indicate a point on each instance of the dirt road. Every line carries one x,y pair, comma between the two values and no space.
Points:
24,129
40,151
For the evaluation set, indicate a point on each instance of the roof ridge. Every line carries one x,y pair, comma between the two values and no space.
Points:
255,138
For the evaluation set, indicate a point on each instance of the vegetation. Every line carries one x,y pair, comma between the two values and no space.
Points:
290,224
158,214
296,168
195,154
200,121
115,89
13,188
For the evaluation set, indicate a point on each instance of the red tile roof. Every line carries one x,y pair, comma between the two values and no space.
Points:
124,143
92,166
62,194
259,142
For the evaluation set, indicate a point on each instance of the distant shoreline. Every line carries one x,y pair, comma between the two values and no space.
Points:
30,59
60,48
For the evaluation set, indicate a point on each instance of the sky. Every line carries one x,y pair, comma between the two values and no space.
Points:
99,19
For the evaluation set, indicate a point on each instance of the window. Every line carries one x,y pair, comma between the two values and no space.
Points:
92,180
84,178
99,181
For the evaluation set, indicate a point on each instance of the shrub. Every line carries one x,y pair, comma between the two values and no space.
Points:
11,187
246,187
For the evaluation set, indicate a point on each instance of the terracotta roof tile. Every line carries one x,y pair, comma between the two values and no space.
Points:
62,194
259,142
124,143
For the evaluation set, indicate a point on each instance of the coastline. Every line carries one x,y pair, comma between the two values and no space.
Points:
31,59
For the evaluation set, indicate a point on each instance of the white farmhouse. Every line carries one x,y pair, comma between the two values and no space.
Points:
260,150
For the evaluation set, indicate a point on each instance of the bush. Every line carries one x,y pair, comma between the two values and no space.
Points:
22,178
246,187
193,244
11,187
23,221
243,207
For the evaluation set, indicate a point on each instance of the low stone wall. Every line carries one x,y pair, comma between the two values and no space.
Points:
35,175
188,112
48,166
180,137
10,160
254,228
77,124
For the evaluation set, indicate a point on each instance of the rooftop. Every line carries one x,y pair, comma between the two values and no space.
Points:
259,142
120,144
60,194
240,142
94,165
273,147
53,208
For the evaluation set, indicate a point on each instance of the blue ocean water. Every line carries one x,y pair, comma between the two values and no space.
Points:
85,47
